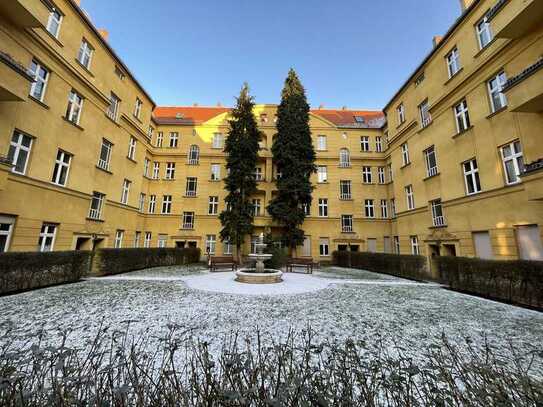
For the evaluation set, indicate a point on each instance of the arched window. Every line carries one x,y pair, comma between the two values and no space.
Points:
194,154
344,158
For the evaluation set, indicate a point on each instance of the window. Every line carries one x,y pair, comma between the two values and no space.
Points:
194,155
344,158
215,172
431,161
258,174
47,237
213,208
415,249
188,220
393,208
217,140
323,207
364,143
152,203
227,247
424,111
113,109
513,162
120,74
409,197
263,118
54,22
137,238
132,148
159,139
170,170
344,190
256,207
85,53
147,240
105,155
162,240
166,204
322,173
384,209
484,33
97,203
119,234
405,154
62,168
40,75
75,105
437,213
369,209
307,209
483,246
372,245
19,151
529,242
141,202
453,62
174,139
396,240
191,186
150,132
390,173
366,175
401,113
6,227
462,116
125,191
386,244
347,223
495,92
306,247
146,164
156,170
137,108
420,79
471,177
381,175
321,143
378,144
254,241
324,246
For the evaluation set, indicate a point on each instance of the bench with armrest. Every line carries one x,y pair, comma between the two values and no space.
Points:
221,262
306,263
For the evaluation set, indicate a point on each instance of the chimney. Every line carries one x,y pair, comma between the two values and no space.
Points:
219,104
321,106
436,40
104,33
465,4
195,104
344,108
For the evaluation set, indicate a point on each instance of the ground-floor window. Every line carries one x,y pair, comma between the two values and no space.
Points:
415,249
162,240
137,238
211,243
386,244
147,241
6,229
483,247
372,245
529,242
227,247
119,239
47,237
397,244
306,250
324,246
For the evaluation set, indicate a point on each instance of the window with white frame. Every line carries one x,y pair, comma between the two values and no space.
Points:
259,176
462,116
347,223
324,247
453,62
495,91
484,32
227,247
381,175
194,155
97,202
6,229
132,148
137,238
323,207
166,204
113,108
437,213
471,177
384,209
105,155
390,173
513,162
322,174
147,240
46,241
156,170
85,53
307,209
119,235
152,203
162,240
146,164
410,198
217,140
215,172
345,190
256,204
431,161
62,168
137,108
344,158
369,209
400,110
213,207
19,151
54,22
415,248
396,240
188,220
141,202
119,73
170,170
254,241
159,139
41,76
405,154
150,132
174,139
378,144
191,186
125,191
364,143
321,143
393,208
366,175
75,105
424,111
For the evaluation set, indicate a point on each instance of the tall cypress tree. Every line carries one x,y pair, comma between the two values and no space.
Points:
241,147
294,157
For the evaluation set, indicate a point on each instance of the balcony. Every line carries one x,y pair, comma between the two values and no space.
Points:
515,18
532,179
25,13
5,169
524,91
14,80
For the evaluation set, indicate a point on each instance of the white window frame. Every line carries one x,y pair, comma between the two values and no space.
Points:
106,146
324,247
381,175
453,62
41,78
113,108
147,239
217,140
170,170
428,153
191,192
517,159
396,242
392,207
471,174
119,235
425,116
215,172
188,220
364,143
378,144
400,110
323,207
85,54
322,174
227,247
194,155
484,32
16,147
344,158
56,17
152,204
61,167
461,114
369,208
347,223
137,238
256,206
45,234
405,154
495,86
166,208
75,107
174,139
366,175
141,202
146,164
132,143
321,143
437,219
98,198
125,193
415,247
156,170
345,190
384,209
137,108
159,139
213,205
162,240
410,197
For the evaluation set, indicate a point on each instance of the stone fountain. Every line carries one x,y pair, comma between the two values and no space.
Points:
259,274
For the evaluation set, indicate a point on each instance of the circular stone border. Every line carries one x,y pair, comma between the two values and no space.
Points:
259,278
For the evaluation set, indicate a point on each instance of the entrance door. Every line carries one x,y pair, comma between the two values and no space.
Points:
180,244
342,247
450,249
83,243
97,244
192,244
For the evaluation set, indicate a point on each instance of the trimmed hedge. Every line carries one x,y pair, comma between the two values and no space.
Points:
399,265
21,271
514,281
115,261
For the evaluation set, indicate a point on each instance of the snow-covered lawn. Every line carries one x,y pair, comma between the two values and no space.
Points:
363,306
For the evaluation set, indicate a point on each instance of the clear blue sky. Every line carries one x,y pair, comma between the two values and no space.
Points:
353,53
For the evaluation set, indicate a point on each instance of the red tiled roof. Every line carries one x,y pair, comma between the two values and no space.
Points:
347,117
188,115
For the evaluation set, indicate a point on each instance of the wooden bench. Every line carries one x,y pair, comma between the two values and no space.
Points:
306,263
216,262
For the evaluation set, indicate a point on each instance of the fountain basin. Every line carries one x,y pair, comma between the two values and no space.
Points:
250,276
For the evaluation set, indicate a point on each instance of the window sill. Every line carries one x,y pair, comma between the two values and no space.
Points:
190,196
462,132
346,199
77,126
95,220
131,159
497,112
39,102
405,165
112,120
368,183
437,227
166,179
487,46
344,166
137,118
60,44
431,176
219,180
186,229
322,182
348,233
84,67
104,170
454,76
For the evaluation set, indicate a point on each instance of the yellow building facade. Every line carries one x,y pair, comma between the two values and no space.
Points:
450,166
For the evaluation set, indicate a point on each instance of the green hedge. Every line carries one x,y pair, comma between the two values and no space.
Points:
21,271
399,265
115,261
514,281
